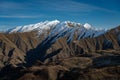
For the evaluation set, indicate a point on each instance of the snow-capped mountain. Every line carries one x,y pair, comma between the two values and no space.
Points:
60,29
40,27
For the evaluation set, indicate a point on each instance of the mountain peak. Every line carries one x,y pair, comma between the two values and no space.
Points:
87,26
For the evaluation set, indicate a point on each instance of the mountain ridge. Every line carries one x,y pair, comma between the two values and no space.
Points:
66,28
62,53
31,27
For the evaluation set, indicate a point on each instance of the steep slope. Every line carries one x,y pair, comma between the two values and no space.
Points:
103,45
41,27
9,53
13,47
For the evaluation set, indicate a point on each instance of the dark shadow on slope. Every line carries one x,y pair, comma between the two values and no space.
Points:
73,74
39,53
11,52
11,73
104,61
53,53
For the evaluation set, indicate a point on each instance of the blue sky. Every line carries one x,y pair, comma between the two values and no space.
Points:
98,13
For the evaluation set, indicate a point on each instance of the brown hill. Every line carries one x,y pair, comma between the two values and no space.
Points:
13,47
25,56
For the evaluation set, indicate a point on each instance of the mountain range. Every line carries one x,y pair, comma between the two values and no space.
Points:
54,50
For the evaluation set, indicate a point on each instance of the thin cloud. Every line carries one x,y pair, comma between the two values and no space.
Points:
4,16
54,5
71,6
11,5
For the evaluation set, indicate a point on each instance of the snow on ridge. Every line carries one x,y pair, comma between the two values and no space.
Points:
55,27
60,29
69,29
32,27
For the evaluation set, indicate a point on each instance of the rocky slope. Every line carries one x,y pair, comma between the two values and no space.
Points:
14,46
